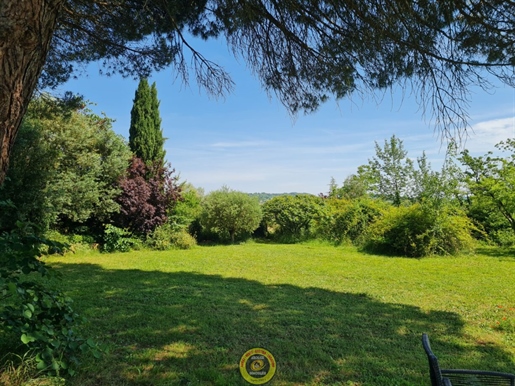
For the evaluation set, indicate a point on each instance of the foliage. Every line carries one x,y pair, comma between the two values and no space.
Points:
75,242
181,239
147,195
303,52
117,239
292,217
64,168
160,238
426,182
438,188
264,197
41,316
491,181
420,230
297,50
21,370
347,220
230,213
167,237
188,208
145,133
389,175
492,224
354,187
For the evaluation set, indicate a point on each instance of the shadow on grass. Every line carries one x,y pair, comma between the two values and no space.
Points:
191,329
497,252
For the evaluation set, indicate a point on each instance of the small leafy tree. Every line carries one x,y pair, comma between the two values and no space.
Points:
389,175
293,216
438,188
188,208
354,187
230,213
144,202
491,181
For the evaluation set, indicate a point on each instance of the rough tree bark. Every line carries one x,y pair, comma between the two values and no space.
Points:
26,29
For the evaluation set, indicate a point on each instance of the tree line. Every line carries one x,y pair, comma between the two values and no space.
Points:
73,176
392,205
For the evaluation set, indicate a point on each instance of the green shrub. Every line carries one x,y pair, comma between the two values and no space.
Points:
293,218
347,220
183,240
118,240
230,214
160,238
41,316
419,230
503,237
56,237
167,237
75,242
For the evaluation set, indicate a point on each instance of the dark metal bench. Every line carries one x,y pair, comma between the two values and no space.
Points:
454,377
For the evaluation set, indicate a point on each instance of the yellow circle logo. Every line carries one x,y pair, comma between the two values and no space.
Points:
257,366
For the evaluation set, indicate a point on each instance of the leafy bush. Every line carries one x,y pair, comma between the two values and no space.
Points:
40,315
503,237
167,237
419,230
188,208
347,220
75,242
147,192
160,238
118,240
230,214
65,165
292,217
183,240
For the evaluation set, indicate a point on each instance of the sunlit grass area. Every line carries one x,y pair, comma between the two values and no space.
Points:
330,316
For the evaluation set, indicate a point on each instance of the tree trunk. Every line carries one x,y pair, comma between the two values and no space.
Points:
26,29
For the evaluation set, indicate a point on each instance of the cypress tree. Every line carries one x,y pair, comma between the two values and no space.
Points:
159,140
145,134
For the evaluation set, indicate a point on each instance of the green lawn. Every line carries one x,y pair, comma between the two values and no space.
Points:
330,316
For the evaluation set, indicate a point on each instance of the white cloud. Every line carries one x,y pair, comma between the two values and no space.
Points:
488,133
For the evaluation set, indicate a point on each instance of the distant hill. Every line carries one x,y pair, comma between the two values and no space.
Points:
263,197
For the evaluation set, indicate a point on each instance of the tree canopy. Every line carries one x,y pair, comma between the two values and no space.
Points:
303,50
230,213
491,180
65,168
390,173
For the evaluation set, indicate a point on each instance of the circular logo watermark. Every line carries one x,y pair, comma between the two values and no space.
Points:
257,366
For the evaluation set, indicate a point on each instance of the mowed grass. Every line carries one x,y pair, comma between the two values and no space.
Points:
330,316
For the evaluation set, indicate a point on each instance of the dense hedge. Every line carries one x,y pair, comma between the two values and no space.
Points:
419,230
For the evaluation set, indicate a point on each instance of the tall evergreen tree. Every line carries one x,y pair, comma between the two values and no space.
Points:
159,140
145,134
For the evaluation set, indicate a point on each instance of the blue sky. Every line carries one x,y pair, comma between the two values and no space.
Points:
249,142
